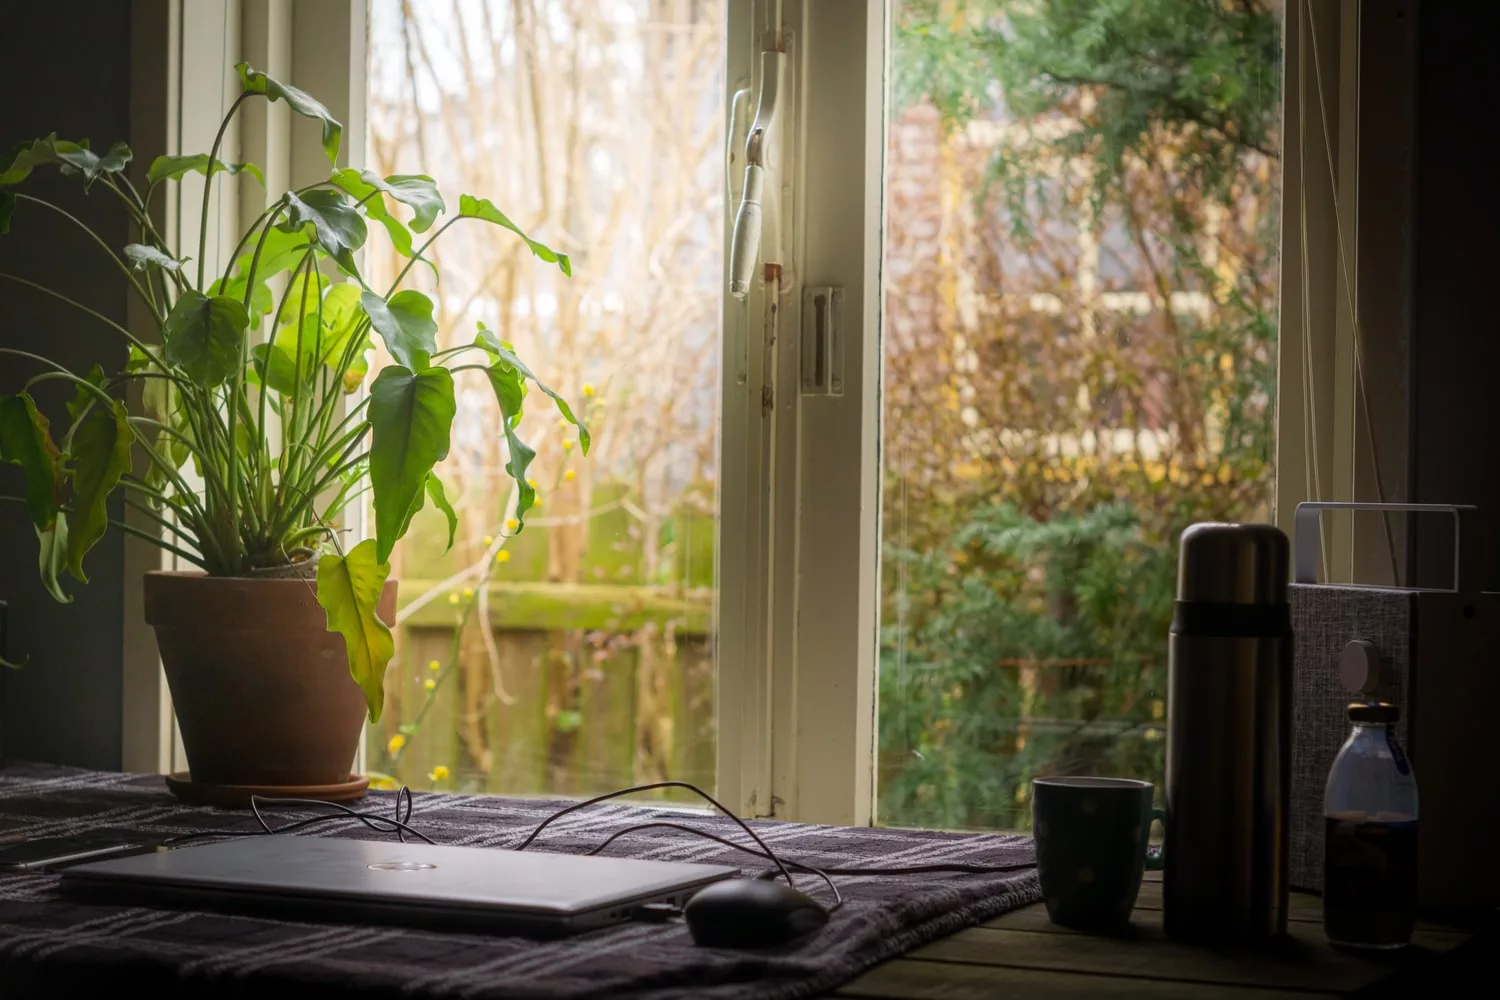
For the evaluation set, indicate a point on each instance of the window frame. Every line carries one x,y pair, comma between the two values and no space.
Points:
798,594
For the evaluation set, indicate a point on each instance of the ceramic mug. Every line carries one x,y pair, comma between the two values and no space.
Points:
1091,836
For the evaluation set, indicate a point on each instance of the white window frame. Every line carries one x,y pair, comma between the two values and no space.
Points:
799,526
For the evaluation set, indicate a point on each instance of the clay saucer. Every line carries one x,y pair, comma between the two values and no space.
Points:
201,793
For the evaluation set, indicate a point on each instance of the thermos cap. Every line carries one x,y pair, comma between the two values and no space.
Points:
1233,564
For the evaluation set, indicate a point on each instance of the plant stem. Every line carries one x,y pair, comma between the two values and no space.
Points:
156,540
418,255
134,341
161,543
208,179
102,245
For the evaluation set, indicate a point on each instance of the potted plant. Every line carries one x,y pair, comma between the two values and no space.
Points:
240,430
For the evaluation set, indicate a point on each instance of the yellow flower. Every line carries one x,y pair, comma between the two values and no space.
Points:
489,540
434,665
394,744
531,482
588,388
536,501
567,446
468,592
429,684
439,773
502,556
569,476
511,524
452,598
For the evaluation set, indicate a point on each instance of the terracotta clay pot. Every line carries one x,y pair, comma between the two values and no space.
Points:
261,688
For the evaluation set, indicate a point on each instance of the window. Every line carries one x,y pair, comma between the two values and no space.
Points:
1069,321
577,656
1081,295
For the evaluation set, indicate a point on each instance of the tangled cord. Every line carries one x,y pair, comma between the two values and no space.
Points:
400,825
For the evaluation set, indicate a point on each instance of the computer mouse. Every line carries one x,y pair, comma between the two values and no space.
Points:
751,913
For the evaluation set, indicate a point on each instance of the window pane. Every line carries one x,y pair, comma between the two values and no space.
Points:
1080,334
597,127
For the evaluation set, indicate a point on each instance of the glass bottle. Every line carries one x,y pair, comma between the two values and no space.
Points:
1370,820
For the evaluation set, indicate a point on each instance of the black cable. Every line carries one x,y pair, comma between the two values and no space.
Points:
838,897
369,819
650,787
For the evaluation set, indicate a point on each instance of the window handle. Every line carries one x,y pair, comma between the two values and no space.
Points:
744,250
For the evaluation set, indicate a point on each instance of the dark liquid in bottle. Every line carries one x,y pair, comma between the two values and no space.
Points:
1370,881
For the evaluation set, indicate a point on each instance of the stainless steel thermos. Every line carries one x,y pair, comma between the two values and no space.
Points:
1229,677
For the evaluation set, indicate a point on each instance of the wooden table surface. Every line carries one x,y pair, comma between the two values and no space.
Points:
1023,954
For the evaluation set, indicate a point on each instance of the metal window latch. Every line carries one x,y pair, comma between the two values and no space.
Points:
823,341
760,158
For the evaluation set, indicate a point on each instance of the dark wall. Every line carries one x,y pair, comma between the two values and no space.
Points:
66,69
1456,342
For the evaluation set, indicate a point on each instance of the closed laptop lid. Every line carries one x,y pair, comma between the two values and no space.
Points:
412,874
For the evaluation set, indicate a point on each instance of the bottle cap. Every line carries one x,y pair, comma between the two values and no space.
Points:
1373,711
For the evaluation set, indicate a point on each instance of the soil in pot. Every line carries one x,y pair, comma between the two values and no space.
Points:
261,688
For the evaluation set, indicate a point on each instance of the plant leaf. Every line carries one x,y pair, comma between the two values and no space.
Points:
510,391
170,168
203,336
26,440
71,157
52,554
276,362
337,224
142,256
100,455
299,101
83,398
404,322
470,207
411,415
349,589
418,191
504,353
440,500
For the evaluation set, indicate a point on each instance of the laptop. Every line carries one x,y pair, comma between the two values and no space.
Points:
529,892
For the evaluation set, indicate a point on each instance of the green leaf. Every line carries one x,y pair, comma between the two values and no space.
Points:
418,191
203,336
440,500
282,250
354,375
100,455
505,354
510,391
404,322
337,224
261,299
470,207
52,555
411,415
83,398
142,256
299,101
276,362
26,440
171,168
71,157
349,589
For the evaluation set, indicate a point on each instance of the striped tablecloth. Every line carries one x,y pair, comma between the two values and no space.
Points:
55,946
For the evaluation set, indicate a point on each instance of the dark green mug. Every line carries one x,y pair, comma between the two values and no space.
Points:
1091,836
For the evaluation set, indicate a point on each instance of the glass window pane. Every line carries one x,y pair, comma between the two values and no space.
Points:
597,127
1080,331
